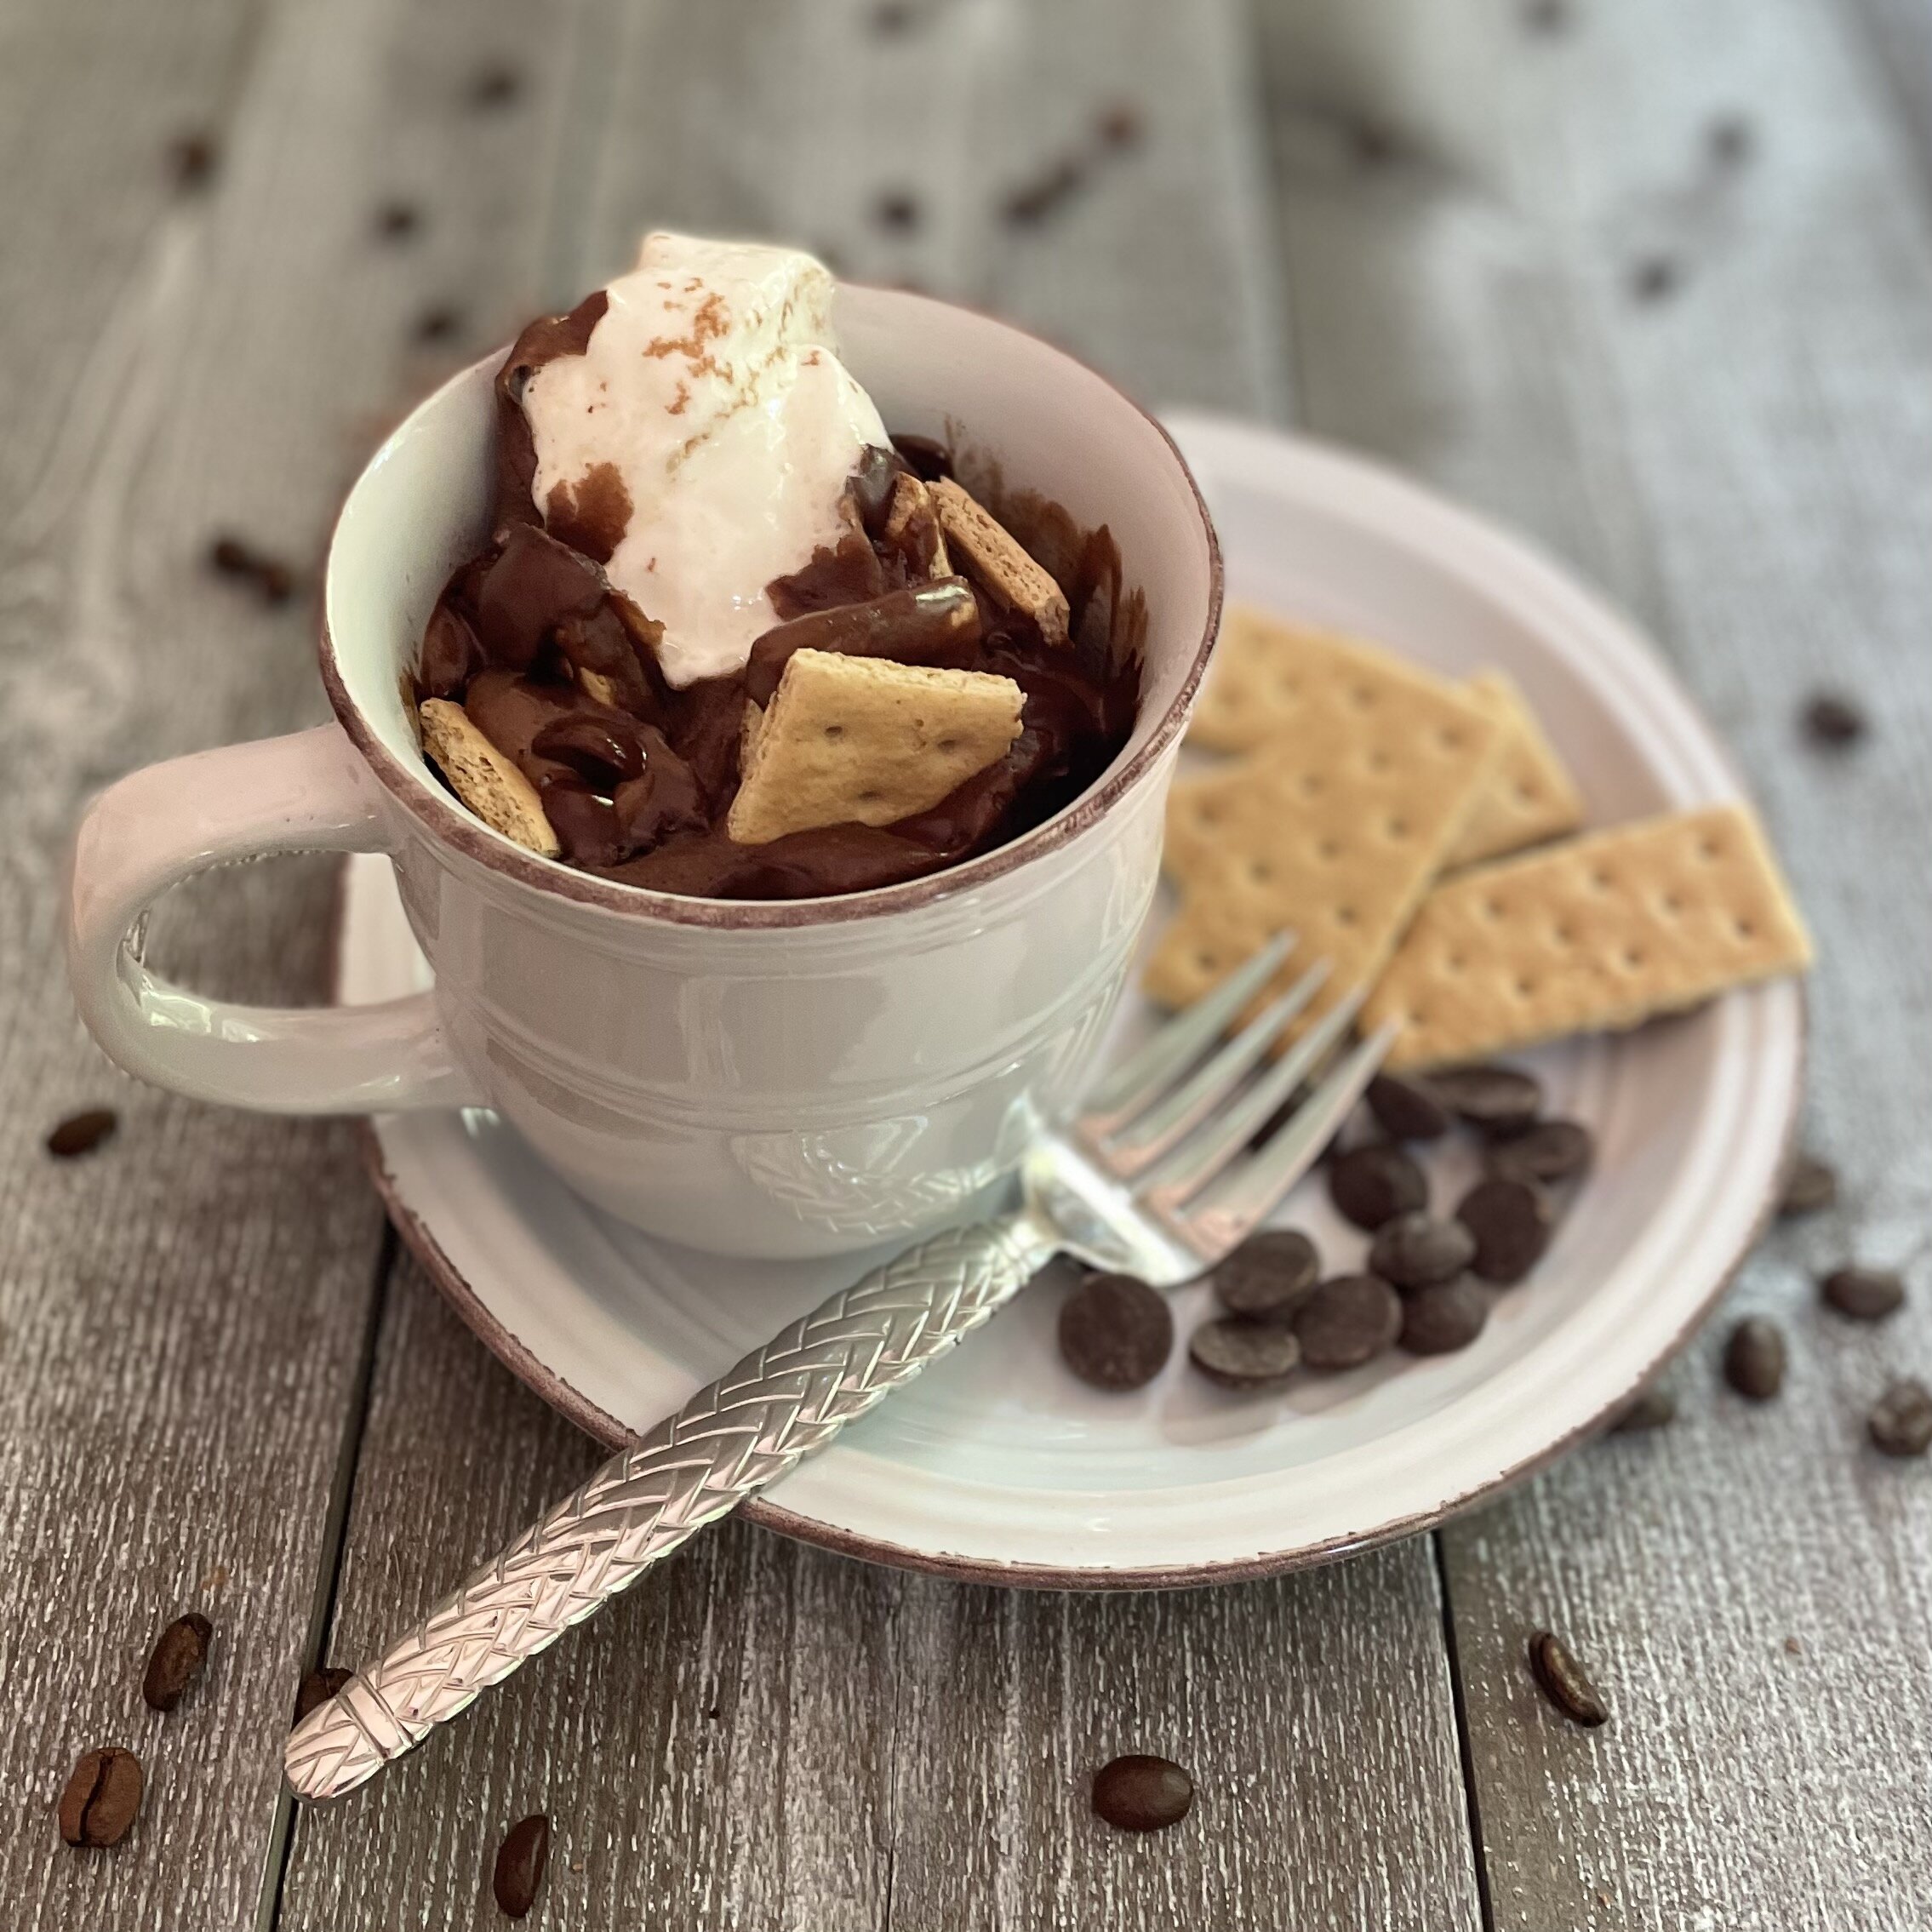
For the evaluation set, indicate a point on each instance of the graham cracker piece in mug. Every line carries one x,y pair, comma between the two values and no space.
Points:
486,780
996,559
863,740
1599,932
1532,797
1335,826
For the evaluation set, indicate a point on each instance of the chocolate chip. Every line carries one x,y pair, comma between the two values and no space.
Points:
1374,1183
1142,1794
1407,1110
1834,721
496,85
82,1133
436,323
899,211
1242,1354
1439,1320
1116,1332
1562,1681
1498,1099
520,1862
1268,1274
396,220
1754,1358
1513,1221
1551,1150
1810,1185
1654,278
101,1797
1416,1250
176,1661
1347,1321
1649,1408
192,158
1866,1294
317,1688
1900,1421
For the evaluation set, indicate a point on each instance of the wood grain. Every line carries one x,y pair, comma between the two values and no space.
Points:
1695,362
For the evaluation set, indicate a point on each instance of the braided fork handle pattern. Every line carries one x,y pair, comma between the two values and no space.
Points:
781,1404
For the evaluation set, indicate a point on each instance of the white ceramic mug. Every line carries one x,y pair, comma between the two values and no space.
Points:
777,1079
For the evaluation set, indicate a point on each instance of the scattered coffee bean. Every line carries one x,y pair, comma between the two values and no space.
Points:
1866,1294
1407,1110
101,1799
1654,278
318,1687
520,1860
1545,16
1056,184
1793,1648
1730,139
1441,1320
1551,1150
1268,1274
1498,1099
496,85
1810,1185
1142,1794
1374,1184
231,556
396,220
1562,1681
1513,1221
1116,1332
1834,721
1119,125
1754,1358
1242,1354
1651,1409
1416,1250
899,211
82,1133
1347,1321
176,1661
275,580
892,16
437,324
193,158
1900,1421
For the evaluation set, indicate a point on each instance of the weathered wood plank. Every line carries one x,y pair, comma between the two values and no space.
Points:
1696,361
891,1749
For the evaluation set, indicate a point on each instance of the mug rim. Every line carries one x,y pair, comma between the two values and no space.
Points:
445,821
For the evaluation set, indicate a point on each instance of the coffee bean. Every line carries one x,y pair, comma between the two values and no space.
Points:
1513,1221
1651,1409
1866,1294
1730,140
317,1688
1754,1358
1655,277
520,1860
176,1661
232,558
1834,721
1551,1150
1416,1250
1267,1274
1116,1332
898,211
1564,1683
1347,1321
82,1133
1119,125
1546,16
193,157
1406,1109
101,1799
496,85
1441,1320
1810,1185
1374,1183
396,220
1142,1794
1900,1421
1242,1354
1496,1099
437,324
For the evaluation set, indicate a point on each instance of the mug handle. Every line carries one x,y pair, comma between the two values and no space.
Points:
306,792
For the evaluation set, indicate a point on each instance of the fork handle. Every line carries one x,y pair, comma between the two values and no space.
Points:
781,1404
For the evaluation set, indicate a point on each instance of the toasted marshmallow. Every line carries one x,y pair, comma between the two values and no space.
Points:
712,387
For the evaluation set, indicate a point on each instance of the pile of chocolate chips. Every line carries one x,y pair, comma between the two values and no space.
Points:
559,671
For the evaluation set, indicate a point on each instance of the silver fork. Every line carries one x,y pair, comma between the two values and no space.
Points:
1153,1181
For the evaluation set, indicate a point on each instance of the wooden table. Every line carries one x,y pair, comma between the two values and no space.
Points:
1653,278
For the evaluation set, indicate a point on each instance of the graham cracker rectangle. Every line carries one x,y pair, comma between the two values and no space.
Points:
1599,932
1532,796
488,782
1335,826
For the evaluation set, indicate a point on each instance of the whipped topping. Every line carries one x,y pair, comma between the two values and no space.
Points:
711,396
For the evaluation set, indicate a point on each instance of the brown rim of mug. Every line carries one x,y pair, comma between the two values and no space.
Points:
445,820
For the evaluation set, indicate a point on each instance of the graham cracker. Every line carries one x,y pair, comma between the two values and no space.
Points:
862,741
486,780
1532,796
1335,826
1599,932
997,559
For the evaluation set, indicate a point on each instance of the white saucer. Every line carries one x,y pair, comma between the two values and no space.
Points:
996,1464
